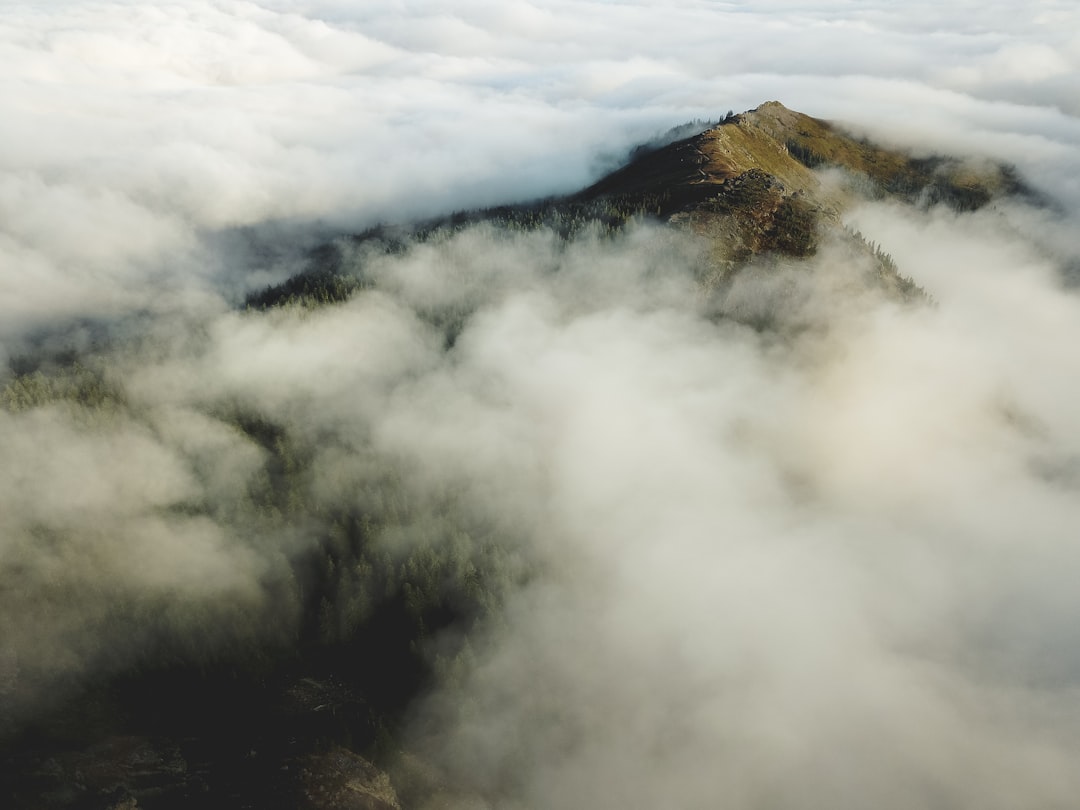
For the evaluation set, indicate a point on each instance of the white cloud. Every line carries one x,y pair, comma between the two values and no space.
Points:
214,115
782,572
835,570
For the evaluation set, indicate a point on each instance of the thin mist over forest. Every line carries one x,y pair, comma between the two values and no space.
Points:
340,451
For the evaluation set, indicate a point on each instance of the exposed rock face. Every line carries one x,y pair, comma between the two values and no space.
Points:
342,780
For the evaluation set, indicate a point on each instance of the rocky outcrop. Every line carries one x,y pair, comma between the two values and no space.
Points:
342,780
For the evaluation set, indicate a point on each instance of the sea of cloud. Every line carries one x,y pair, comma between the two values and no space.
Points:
131,130
829,570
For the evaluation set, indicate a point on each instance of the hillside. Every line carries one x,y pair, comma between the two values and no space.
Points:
763,187
749,185
336,560
786,145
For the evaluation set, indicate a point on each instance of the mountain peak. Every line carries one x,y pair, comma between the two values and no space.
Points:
725,151
750,183
788,145
749,186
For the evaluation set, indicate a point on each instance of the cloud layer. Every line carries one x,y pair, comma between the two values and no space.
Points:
829,569
131,129
806,573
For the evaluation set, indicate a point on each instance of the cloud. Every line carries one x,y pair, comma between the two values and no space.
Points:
778,573
817,565
133,125
828,565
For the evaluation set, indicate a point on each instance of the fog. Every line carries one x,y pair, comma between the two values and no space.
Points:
791,575
829,564
131,130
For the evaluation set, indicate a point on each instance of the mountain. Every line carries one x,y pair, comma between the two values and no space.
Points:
768,185
785,146
750,187
298,700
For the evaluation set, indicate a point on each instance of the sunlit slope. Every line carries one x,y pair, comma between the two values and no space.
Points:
752,184
786,145
769,186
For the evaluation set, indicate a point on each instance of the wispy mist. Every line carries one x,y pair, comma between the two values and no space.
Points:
827,563
784,574
132,129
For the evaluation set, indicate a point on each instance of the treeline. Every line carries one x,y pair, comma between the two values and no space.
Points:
353,613
327,279
888,271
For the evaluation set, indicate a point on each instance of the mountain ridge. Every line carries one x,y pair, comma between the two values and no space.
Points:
750,185
766,185
303,704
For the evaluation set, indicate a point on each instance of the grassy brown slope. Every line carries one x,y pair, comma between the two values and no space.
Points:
813,142
787,145
749,184
699,167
